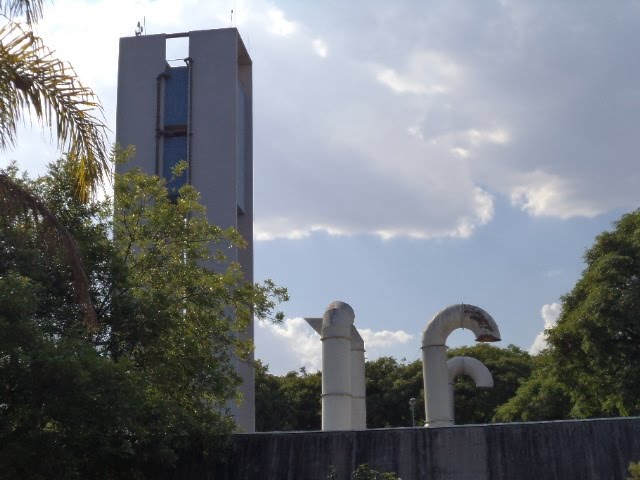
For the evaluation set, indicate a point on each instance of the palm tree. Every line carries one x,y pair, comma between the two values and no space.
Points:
31,9
34,82
16,202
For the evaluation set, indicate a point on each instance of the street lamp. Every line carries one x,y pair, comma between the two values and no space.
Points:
412,403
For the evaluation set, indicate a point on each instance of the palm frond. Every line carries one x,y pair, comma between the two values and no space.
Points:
33,80
30,9
16,200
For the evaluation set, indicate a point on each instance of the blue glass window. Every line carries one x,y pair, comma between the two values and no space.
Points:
174,135
174,150
175,96
241,117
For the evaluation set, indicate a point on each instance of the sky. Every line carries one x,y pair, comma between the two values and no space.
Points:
408,155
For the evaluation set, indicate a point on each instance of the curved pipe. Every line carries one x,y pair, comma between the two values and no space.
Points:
460,316
437,404
466,366
470,366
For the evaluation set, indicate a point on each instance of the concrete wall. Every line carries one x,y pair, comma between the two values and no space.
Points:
140,62
591,449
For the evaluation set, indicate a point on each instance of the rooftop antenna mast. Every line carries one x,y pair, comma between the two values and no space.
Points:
231,22
140,28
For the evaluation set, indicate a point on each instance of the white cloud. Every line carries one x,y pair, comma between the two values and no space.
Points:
550,313
465,225
500,97
461,152
320,47
301,344
543,194
398,84
415,131
294,344
499,136
278,24
384,338
278,227
427,73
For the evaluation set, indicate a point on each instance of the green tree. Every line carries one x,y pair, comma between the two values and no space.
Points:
365,472
292,402
35,83
287,403
271,405
592,364
595,345
634,470
539,397
303,393
153,378
390,385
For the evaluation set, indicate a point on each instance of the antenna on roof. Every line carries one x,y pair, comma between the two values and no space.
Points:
140,27
231,22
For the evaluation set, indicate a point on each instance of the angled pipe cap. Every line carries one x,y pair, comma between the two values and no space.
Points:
337,320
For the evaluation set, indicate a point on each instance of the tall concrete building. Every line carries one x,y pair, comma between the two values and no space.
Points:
200,110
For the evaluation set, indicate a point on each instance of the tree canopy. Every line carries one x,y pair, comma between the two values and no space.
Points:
289,402
34,83
153,378
390,385
292,401
539,397
596,342
592,364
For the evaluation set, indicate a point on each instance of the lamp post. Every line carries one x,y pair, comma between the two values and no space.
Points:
412,403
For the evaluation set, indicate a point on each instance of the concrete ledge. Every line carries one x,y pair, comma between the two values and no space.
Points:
583,449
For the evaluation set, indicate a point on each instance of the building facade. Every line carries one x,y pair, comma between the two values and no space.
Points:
197,109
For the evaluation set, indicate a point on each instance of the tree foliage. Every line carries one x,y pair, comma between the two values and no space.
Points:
34,82
292,401
634,471
596,342
154,377
364,472
31,10
592,364
16,199
390,385
289,402
539,397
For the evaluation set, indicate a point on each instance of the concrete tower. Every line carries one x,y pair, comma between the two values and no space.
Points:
199,110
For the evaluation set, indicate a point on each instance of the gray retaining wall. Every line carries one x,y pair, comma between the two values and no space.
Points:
587,449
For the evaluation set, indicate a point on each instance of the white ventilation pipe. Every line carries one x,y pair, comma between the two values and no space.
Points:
472,367
354,367
336,371
434,355
358,383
